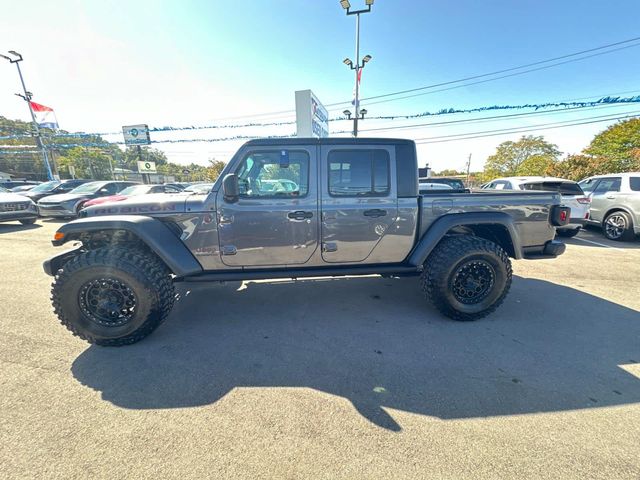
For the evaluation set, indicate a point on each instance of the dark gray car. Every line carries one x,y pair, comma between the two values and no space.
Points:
615,204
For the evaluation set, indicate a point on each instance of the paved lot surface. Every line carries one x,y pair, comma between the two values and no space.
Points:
350,378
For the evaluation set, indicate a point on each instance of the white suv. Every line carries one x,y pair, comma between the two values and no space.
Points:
571,193
615,204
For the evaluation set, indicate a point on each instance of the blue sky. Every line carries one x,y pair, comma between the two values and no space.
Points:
101,65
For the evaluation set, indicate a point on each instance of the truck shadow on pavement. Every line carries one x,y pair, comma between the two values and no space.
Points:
17,227
377,343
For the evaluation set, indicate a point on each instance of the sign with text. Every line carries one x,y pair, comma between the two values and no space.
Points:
136,134
312,119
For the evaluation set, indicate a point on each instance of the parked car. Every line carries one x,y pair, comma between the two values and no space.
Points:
67,205
426,187
615,204
22,188
572,196
11,184
199,188
356,211
16,207
454,183
52,188
132,191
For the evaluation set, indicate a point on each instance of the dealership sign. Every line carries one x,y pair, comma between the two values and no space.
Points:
312,119
147,167
136,135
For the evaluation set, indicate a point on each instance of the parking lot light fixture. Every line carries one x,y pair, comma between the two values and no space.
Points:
345,4
347,113
365,59
348,62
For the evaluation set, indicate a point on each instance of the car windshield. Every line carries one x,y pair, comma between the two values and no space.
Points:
46,186
91,187
136,190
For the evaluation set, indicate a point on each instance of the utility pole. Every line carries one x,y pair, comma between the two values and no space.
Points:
359,114
27,98
468,168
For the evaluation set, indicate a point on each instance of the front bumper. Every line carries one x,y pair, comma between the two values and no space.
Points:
56,210
19,215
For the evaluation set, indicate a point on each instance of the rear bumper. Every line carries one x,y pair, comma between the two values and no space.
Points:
573,224
551,249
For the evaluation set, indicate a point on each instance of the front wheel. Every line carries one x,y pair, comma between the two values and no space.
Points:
466,277
27,221
618,226
112,296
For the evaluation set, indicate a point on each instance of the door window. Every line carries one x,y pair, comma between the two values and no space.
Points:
359,173
634,183
608,185
274,174
589,184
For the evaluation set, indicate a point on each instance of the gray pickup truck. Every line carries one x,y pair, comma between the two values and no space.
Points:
297,208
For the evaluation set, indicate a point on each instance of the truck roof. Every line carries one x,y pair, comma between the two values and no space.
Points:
329,141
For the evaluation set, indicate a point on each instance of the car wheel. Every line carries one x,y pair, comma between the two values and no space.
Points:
618,226
28,221
568,233
466,277
112,296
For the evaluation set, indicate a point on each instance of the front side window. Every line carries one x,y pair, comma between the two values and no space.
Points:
608,185
355,173
278,174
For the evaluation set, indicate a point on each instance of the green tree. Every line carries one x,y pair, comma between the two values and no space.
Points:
91,163
215,169
577,167
530,154
617,147
448,172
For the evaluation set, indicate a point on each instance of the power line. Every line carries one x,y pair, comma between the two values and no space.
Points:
524,129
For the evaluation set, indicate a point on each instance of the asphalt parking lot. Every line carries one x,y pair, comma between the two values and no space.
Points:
349,378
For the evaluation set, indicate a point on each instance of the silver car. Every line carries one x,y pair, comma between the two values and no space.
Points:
615,204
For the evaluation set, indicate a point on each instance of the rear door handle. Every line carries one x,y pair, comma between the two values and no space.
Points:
376,212
300,215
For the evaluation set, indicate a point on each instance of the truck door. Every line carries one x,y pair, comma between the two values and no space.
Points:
359,199
275,220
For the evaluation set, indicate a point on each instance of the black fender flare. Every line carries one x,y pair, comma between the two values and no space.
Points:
442,225
151,231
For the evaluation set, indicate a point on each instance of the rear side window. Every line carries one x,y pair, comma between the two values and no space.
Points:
355,173
563,188
589,184
634,182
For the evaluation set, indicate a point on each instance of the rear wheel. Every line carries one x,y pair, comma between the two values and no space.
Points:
618,226
568,233
466,277
112,296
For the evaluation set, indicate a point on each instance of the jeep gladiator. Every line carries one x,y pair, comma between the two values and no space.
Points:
297,208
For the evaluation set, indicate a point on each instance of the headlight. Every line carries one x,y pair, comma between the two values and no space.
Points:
32,206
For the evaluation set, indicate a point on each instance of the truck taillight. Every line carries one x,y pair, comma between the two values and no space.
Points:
563,216
560,215
584,200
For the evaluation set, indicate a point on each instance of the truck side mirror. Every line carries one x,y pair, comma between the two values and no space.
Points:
231,188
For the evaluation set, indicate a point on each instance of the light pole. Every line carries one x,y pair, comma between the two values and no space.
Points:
357,67
27,98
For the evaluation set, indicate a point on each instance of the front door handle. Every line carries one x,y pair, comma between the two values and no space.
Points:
376,212
300,215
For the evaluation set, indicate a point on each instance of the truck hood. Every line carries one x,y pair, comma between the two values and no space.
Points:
154,203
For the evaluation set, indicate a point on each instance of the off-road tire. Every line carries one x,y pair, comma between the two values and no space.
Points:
27,221
146,277
625,222
452,256
568,233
